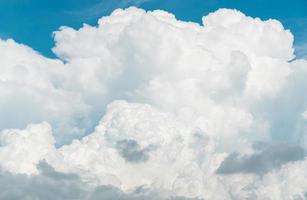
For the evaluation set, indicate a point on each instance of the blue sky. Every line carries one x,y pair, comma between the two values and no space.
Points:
32,21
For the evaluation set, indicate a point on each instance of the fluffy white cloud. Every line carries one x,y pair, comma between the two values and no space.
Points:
31,90
21,150
179,106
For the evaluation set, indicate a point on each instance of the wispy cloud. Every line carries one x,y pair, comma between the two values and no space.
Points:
301,50
299,30
104,7
3,35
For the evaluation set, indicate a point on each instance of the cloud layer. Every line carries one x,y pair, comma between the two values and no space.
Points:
143,100
50,184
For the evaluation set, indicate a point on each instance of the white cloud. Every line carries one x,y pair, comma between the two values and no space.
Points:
21,150
174,101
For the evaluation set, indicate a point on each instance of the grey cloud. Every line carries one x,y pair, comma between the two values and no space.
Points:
111,193
49,185
267,158
131,151
53,185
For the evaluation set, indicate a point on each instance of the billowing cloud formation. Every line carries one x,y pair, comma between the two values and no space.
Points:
154,102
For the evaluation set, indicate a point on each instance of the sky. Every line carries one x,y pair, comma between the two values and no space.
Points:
166,100
20,16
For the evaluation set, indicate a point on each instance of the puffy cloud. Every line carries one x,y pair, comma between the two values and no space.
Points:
153,142
154,102
31,90
21,150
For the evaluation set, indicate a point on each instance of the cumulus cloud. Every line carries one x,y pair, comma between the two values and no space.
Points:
144,105
21,150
